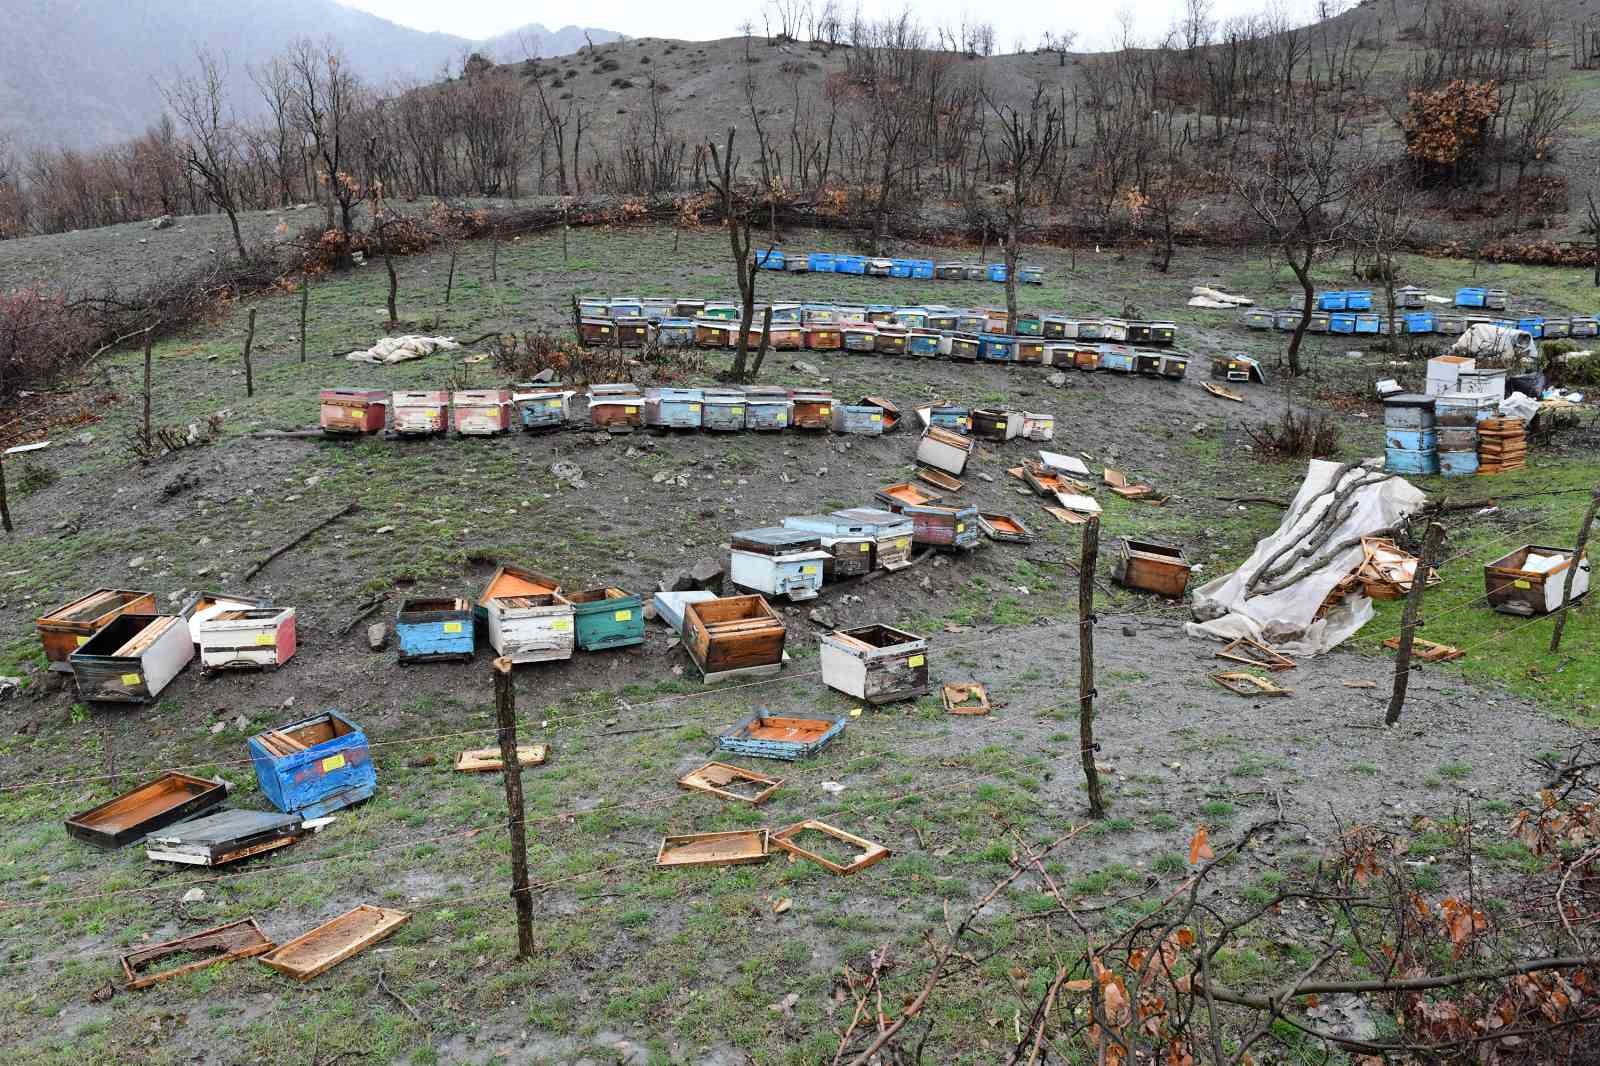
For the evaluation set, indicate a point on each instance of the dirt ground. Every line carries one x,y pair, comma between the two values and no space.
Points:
673,966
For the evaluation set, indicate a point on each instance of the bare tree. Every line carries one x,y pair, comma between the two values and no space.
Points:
326,92
1027,142
211,150
736,213
275,83
1386,216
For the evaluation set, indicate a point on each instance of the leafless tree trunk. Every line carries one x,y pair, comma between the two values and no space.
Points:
736,214
212,148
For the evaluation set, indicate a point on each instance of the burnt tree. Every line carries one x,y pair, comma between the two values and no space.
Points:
736,215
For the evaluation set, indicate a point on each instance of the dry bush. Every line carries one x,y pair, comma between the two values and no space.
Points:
1447,129
1306,435
40,340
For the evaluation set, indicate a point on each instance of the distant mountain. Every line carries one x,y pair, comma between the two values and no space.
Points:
534,39
85,72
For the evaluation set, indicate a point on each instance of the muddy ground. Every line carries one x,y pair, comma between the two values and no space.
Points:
679,965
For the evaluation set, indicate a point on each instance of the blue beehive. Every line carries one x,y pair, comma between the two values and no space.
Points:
1342,322
675,333
997,348
1584,326
763,736
627,307
850,264
673,408
1367,323
1534,326
1411,440
1405,461
1030,275
540,408
1470,297
899,268
922,342
880,313
333,772
955,419
1458,464
594,307
820,262
1333,301
1419,322
1358,300
1117,357
428,630
769,259
922,269
1557,327
996,272
911,317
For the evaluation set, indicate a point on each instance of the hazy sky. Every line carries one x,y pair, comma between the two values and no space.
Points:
1095,23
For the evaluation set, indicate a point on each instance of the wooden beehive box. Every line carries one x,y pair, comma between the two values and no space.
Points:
712,332
539,408
1147,363
768,409
132,658
156,804
812,409
875,663
1086,358
434,629
892,340
733,636
1164,334
860,337
943,527
1157,568
353,411
1038,427
675,333
633,331
863,419
1174,366
892,534
997,426
722,409
247,637
963,347
923,343
667,408
607,618
315,766
324,947
69,627
422,413
683,307
824,337
511,581
596,331
850,545
1117,358
625,307
1030,351
943,320
778,560
905,494
481,412
533,628
943,450
788,336
1005,527
1532,580
616,407
771,736
998,348
594,307
911,317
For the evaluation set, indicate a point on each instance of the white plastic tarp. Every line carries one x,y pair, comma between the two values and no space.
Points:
402,349
1286,619
1496,342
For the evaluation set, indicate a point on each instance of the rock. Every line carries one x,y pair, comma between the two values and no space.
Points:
707,574
544,376
1130,631
378,635
194,895
1057,380
600,438
9,687
84,438
661,477
313,481
800,366
136,562
986,477
203,571
241,723
384,529
164,222
630,1054
217,727
565,471
822,617
833,788
676,581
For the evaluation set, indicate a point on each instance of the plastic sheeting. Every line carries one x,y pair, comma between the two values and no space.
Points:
1496,342
1286,619
402,349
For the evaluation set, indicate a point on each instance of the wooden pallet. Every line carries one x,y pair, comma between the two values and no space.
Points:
236,940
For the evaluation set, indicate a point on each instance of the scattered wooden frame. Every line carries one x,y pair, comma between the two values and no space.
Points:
488,760
319,950
1001,526
938,479
236,940
966,698
1066,517
1252,652
1427,650
714,775
1218,390
870,852
1243,683
736,848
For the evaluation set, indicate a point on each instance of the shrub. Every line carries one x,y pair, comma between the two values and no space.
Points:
1306,435
1447,128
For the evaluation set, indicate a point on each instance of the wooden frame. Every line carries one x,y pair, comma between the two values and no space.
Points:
488,761
1242,683
938,479
237,940
870,853
1254,653
997,525
319,950
1427,650
738,848
958,698
713,775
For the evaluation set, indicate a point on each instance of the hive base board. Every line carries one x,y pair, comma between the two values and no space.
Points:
236,940
321,949
488,760
735,848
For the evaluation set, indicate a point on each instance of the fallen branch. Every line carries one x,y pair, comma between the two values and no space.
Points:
392,994
1253,499
361,614
262,564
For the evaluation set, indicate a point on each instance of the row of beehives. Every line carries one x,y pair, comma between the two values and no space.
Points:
1410,297
890,267
120,648
925,330
1449,323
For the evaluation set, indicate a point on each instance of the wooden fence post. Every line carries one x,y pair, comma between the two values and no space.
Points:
145,433
5,507
249,339
1086,693
305,294
505,710
1577,554
1408,623
450,282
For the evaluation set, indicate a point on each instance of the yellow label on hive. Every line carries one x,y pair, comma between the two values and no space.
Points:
265,638
825,410
552,403
131,679
737,410
561,625
694,407
961,527
452,627
866,547
877,418
332,763
808,569
622,616
1519,583
632,410
82,641
903,542
916,660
